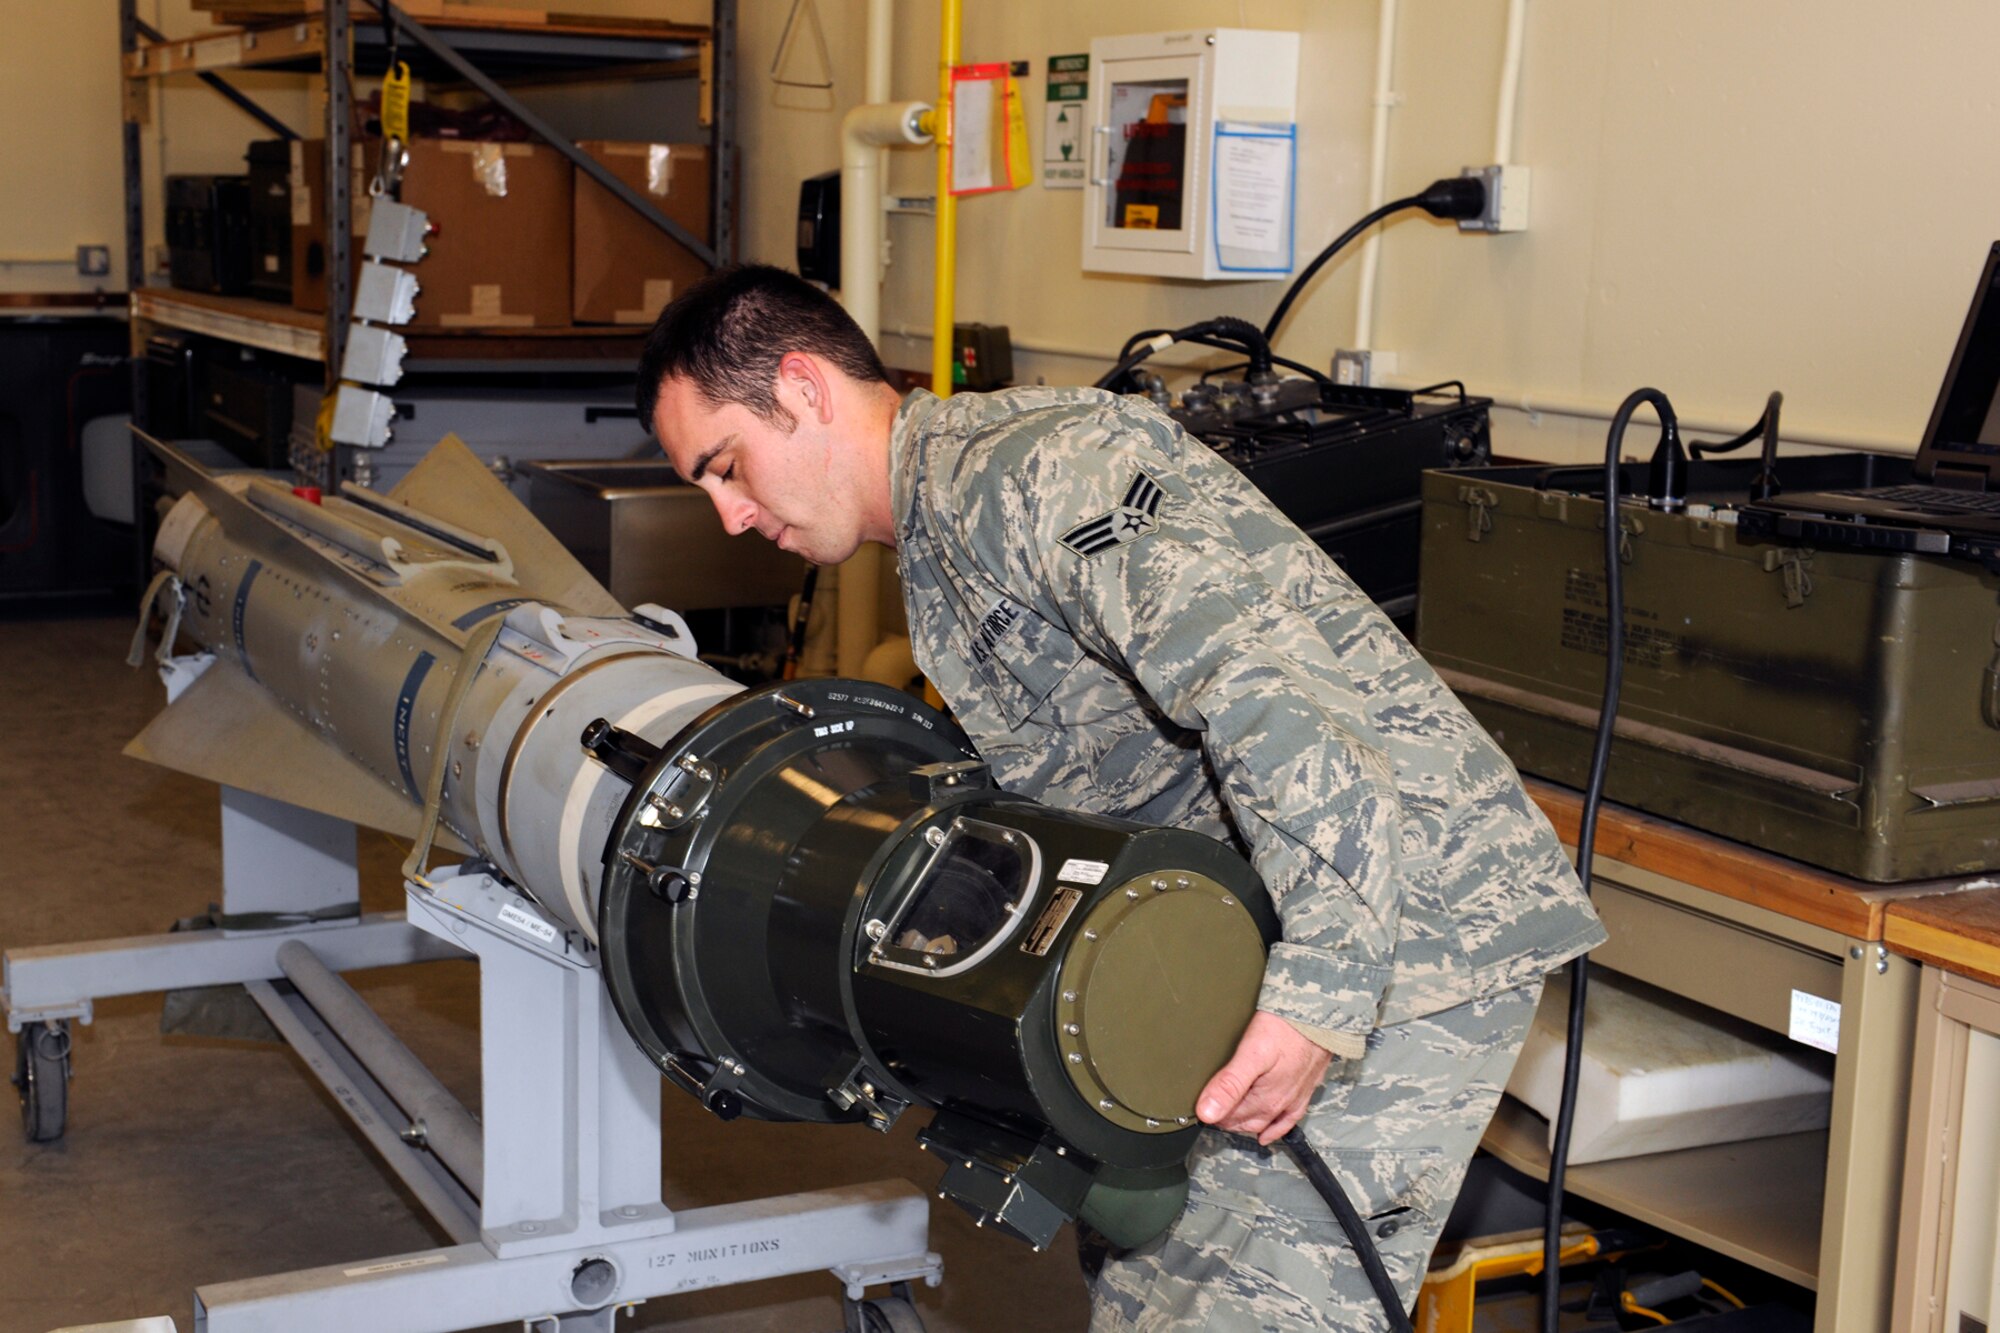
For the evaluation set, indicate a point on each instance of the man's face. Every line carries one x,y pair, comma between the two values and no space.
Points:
793,487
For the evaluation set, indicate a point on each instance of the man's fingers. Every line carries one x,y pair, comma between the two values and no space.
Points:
1277,1128
1223,1093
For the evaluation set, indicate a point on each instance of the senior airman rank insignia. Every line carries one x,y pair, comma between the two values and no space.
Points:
1136,516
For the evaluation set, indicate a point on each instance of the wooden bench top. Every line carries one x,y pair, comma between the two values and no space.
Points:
1852,907
1959,931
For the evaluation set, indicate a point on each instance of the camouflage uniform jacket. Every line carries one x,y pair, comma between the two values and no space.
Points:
1125,625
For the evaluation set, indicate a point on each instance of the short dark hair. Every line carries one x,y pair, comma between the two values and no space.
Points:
726,334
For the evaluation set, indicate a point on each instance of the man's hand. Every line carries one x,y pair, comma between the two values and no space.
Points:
1265,1087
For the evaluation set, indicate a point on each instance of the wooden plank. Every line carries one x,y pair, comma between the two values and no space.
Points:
1791,888
236,319
36,303
243,48
495,18
1956,931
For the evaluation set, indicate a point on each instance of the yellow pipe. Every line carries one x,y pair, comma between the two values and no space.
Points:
950,17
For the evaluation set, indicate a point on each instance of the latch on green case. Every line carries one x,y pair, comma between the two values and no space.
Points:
1478,502
1795,564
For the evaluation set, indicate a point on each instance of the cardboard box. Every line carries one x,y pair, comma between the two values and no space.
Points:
501,256
308,187
625,268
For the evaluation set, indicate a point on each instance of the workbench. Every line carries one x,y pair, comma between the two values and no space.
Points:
1741,931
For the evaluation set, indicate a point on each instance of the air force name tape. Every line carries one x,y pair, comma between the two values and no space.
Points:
1136,516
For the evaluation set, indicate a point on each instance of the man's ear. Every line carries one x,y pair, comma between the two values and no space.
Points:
804,375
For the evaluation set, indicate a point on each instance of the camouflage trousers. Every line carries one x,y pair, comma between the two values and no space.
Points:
1257,1249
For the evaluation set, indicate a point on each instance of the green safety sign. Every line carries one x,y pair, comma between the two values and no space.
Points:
1069,78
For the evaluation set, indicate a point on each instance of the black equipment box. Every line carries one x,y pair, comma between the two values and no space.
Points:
982,356
1840,707
240,397
57,376
246,401
208,233
173,398
270,185
1345,463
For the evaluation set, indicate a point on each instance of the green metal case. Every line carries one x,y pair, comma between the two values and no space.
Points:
1838,707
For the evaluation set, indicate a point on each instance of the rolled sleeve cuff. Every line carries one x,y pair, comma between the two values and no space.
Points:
1330,998
1340,1045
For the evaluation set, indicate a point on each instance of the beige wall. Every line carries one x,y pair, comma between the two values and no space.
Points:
61,149
1728,199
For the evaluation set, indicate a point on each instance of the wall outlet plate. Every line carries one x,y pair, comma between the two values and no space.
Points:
1506,199
1362,367
93,261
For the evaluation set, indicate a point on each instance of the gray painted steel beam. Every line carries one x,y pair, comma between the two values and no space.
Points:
371,1109
69,976
448,1129
466,1287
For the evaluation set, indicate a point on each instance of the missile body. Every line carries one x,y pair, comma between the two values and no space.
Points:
804,903
356,629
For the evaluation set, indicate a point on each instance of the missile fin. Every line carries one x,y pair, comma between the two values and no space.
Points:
452,484
263,748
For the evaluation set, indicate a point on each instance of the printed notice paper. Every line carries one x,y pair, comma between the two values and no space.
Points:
1253,190
972,130
1815,1022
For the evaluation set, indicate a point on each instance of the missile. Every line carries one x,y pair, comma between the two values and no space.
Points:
806,901
345,634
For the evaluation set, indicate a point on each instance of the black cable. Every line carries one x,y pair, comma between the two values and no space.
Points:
1226,332
1319,262
1450,197
1586,838
1250,366
1350,1221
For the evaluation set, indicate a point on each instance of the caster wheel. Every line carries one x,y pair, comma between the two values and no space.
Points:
889,1314
41,1074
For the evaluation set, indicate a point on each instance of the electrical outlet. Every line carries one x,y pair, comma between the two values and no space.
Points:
1362,367
93,261
1506,199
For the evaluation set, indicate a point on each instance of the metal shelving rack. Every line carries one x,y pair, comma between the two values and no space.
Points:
478,54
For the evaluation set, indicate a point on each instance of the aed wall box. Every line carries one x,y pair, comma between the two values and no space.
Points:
1192,154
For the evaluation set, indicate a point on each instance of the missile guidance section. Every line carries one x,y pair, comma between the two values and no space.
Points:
817,906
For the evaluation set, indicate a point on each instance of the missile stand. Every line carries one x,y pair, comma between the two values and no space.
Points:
553,1202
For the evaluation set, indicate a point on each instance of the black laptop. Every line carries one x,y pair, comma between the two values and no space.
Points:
1953,505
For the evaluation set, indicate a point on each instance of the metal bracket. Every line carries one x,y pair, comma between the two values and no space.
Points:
931,783
859,1277
683,802
19,1018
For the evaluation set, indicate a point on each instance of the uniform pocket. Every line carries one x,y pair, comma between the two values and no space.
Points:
1389,1185
1020,657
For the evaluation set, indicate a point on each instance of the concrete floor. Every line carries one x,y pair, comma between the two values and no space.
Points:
190,1161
